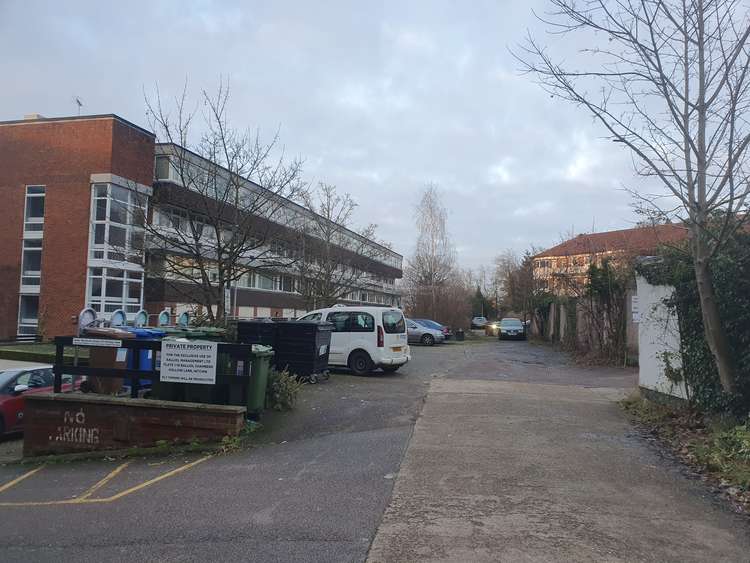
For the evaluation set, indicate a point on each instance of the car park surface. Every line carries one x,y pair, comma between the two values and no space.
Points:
318,480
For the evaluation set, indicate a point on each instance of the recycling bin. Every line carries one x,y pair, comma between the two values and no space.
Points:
260,367
257,332
302,347
146,358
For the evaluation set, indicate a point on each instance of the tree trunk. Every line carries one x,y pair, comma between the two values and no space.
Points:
716,337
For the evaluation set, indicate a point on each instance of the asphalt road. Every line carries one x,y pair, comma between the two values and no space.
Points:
313,489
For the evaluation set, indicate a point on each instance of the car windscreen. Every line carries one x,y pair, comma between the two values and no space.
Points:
511,323
393,322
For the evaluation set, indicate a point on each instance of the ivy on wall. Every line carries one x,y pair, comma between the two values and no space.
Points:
731,274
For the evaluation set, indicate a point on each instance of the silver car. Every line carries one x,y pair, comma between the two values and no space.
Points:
422,334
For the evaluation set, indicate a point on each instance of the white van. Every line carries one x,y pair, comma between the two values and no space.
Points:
365,338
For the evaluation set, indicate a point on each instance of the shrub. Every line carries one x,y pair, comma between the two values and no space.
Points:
282,390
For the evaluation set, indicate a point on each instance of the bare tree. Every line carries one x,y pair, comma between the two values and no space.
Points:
227,216
333,259
670,82
504,266
434,259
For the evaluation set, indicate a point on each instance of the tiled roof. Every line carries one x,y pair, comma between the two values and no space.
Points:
640,240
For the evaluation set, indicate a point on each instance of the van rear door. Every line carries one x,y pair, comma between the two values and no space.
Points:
394,327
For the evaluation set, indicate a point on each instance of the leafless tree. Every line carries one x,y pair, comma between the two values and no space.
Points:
504,266
434,259
333,259
668,80
227,216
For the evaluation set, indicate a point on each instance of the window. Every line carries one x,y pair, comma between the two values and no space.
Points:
339,320
162,167
393,322
34,213
31,263
361,322
286,284
117,224
36,378
264,282
28,315
113,288
311,317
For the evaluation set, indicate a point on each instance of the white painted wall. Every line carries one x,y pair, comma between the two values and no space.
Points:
245,312
658,331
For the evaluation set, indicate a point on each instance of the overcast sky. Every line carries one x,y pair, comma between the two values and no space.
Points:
379,99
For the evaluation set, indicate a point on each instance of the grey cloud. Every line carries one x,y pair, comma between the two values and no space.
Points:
379,98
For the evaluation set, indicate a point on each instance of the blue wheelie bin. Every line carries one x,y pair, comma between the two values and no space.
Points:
145,357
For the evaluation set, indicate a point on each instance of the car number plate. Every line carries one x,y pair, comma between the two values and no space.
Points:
396,348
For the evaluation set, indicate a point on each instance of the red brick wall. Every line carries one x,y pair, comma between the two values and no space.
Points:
61,155
66,423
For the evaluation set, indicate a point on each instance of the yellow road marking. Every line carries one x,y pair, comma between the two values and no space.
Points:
150,481
111,475
85,500
20,478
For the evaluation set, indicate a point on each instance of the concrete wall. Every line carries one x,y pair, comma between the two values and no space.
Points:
658,332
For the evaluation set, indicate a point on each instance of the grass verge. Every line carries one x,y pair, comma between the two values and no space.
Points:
717,447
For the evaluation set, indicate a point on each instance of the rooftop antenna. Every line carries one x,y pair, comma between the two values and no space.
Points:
78,102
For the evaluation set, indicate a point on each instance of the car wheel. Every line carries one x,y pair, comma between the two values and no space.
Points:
390,369
360,363
428,340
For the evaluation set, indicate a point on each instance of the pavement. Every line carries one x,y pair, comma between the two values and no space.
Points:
520,456
515,454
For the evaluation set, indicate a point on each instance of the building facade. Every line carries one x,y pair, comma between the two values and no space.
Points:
76,193
563,269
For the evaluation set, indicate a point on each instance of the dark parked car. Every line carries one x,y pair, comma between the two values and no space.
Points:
436,325
512,328
15,384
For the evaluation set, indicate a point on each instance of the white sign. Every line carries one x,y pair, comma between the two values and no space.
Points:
635,309
188,361
103,342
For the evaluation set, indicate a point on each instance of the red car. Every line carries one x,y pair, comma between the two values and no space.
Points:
17,383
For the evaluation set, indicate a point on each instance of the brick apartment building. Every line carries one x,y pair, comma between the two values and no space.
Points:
563,269
61,238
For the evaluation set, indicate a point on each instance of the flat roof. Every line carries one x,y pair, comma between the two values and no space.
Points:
79,118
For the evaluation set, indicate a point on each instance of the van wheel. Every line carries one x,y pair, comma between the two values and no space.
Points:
428,340
360,363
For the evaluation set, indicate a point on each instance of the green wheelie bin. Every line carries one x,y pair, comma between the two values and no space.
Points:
260,366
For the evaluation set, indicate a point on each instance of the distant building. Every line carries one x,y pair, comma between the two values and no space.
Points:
562,269
65,246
